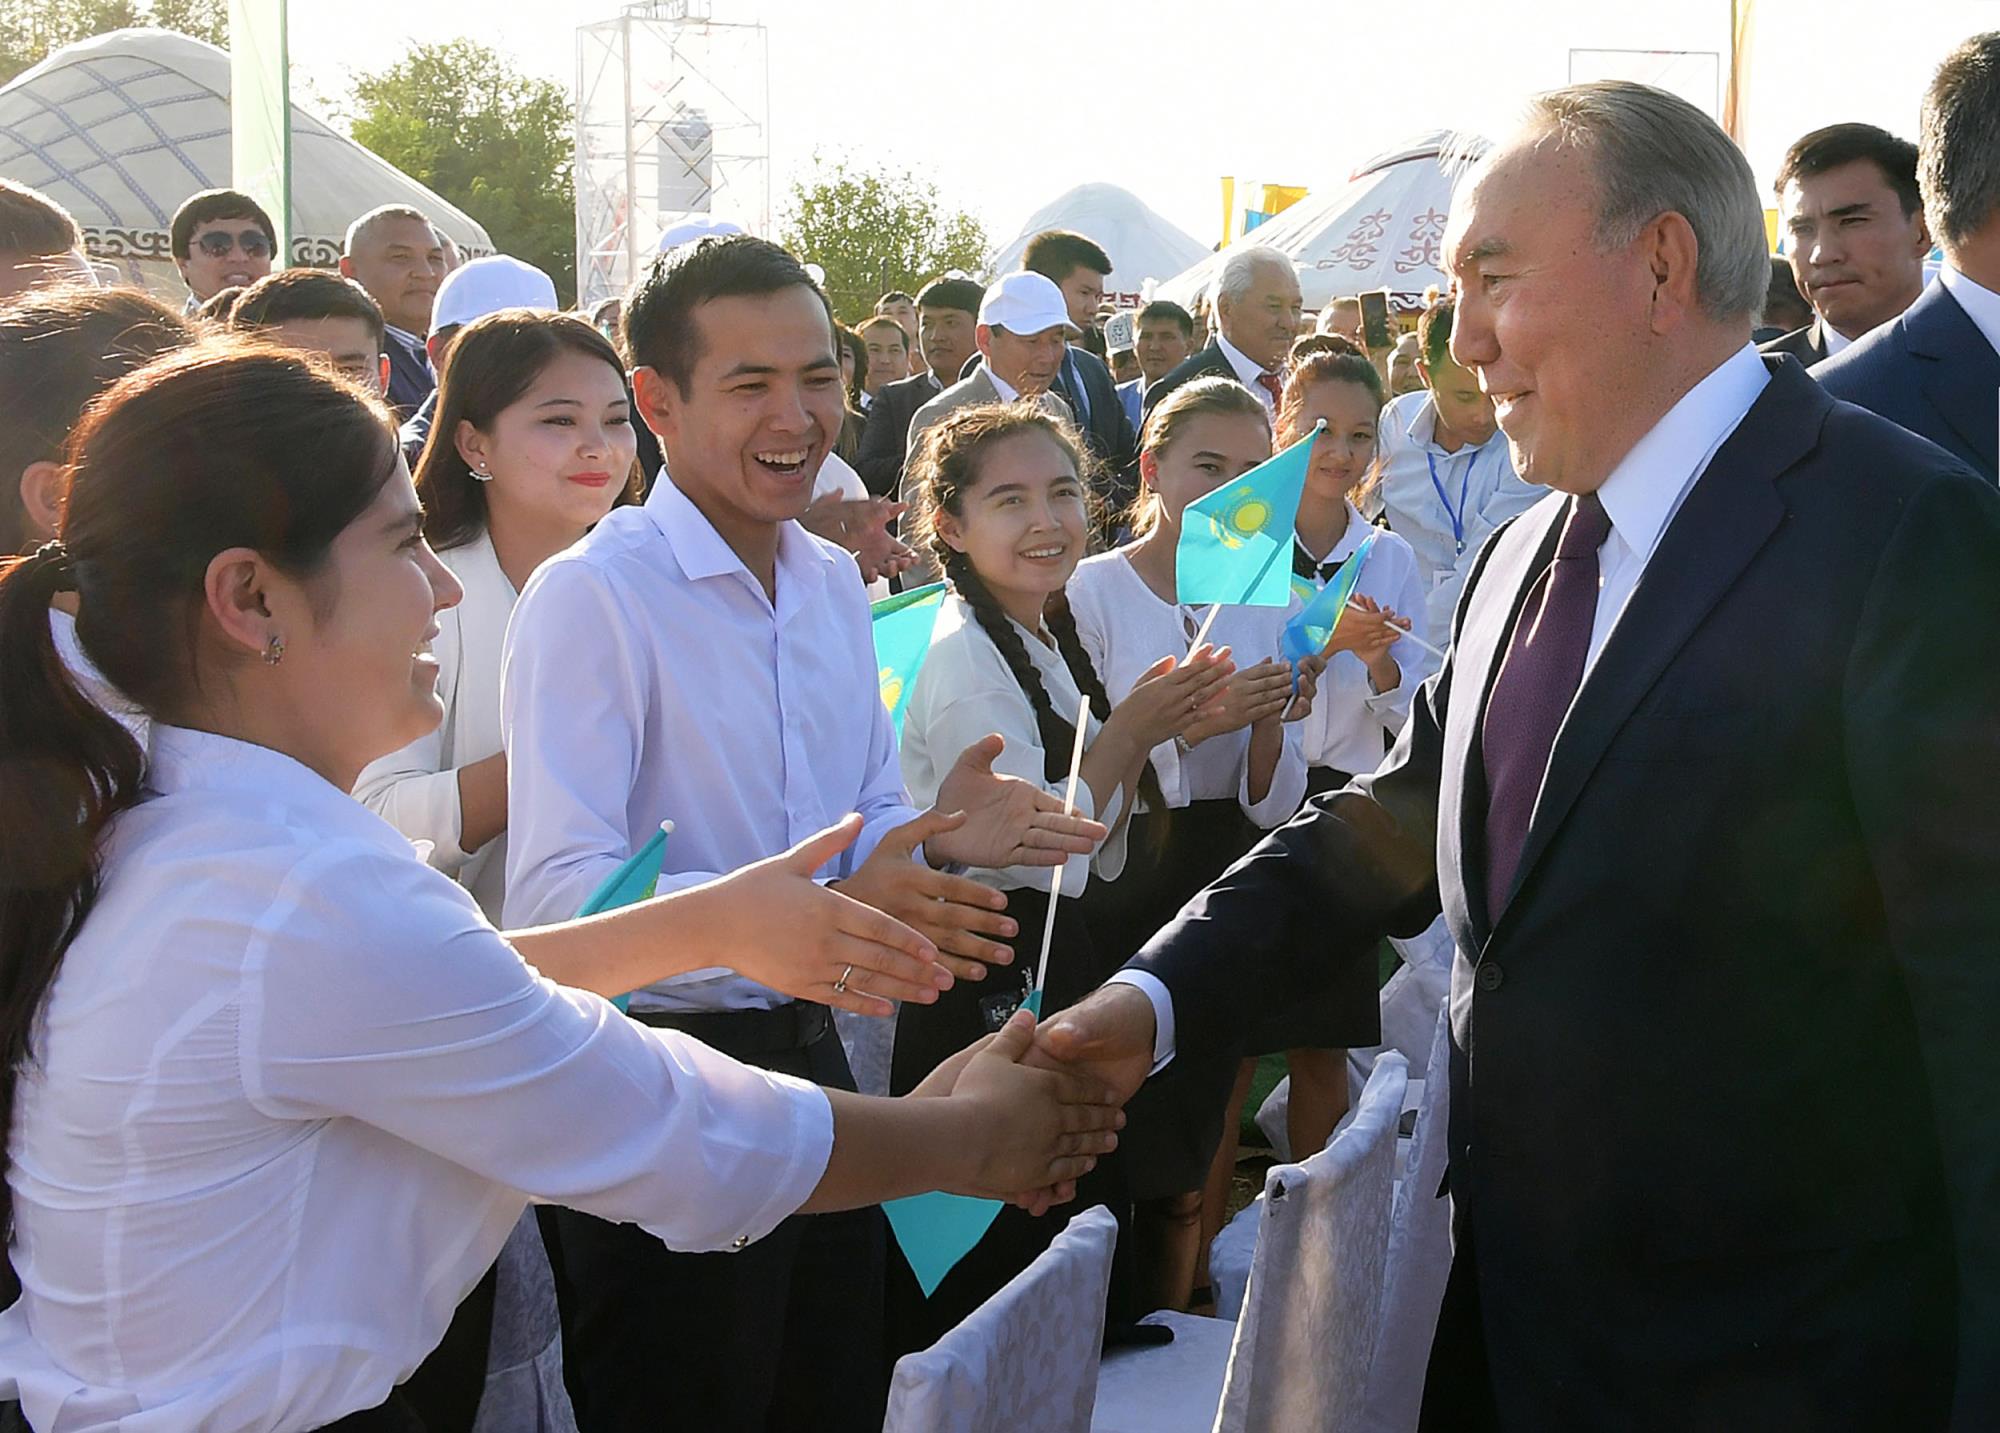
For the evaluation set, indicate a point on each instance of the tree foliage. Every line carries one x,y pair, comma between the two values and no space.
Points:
494,141
874,228
31,29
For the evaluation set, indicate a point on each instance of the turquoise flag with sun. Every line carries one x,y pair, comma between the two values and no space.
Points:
902,627
1311,627
1236,542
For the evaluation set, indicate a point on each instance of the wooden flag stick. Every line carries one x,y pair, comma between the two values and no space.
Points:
1407,636
1069,809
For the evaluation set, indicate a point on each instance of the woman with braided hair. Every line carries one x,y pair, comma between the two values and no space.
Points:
1000,496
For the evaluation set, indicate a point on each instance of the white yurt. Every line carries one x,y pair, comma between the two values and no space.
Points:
121,128
1140,243
1380,230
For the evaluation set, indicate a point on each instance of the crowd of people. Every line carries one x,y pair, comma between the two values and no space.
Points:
365,623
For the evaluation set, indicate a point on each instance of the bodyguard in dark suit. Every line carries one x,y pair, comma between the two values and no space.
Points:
947,314
395,254
1936,370
1855,234
1079,267
1708,792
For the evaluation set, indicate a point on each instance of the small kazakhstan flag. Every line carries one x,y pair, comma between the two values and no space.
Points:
1311,628
903,626
1236,542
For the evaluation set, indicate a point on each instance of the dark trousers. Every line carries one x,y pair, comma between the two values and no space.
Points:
784,1334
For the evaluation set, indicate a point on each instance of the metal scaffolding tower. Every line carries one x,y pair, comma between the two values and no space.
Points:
672,122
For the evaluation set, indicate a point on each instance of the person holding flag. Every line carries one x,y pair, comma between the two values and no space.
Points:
1236,773
1002,507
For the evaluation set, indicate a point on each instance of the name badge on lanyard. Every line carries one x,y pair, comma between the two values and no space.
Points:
1457,517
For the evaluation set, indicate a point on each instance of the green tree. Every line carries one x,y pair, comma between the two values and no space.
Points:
31,29
495,142
874,228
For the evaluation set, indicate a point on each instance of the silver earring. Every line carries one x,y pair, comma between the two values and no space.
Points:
482,473
274,650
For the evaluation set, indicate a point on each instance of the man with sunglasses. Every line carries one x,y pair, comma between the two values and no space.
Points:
222,239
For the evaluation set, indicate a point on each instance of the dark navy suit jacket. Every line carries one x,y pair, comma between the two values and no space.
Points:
1722,1133
1933,372
410,377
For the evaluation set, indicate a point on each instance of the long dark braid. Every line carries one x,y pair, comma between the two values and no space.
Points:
943,466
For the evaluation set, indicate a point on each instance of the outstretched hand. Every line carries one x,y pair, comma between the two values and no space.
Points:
774,923
1008,821
955,914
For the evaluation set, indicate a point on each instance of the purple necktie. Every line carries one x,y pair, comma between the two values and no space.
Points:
1533,693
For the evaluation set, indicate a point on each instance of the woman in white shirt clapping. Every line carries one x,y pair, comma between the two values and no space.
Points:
532,445
1000,498
1226,780
276,1091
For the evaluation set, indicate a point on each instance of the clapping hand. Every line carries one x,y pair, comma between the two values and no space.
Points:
1309,668
1172,696
861,525
1252,695
1007,821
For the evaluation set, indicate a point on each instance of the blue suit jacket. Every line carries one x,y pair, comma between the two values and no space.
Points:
1723,1060
1931,371
410,377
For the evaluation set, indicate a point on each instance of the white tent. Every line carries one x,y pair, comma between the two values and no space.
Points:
1380,230
121,128
1141,244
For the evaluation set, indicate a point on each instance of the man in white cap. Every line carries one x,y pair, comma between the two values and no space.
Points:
1023,332
474,290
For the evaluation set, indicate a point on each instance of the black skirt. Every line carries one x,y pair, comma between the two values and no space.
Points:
925,1036
1172,1126
1344,1009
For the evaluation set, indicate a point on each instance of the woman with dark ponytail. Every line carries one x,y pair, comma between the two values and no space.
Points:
1000,496
275,1091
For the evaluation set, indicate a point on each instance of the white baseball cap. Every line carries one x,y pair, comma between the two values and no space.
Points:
701,226
483,286
1025,303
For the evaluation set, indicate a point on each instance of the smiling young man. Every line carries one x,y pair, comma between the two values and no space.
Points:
1854,231
703,659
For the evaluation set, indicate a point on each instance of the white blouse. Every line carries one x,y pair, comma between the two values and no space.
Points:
1126,627
1351,724
292,1093
416,789
966,691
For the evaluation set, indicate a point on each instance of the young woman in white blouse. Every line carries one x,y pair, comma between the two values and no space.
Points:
532,444
1000,498
1235,774
276,1090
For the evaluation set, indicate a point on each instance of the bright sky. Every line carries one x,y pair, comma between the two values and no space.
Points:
1005,105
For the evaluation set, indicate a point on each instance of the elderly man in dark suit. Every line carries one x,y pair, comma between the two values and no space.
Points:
1936,370
1256,303
1708,791
1855,234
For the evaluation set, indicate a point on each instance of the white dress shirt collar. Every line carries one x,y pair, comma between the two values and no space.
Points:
702,553
1007,391
1833,338
1247,369
1646,487
1980,303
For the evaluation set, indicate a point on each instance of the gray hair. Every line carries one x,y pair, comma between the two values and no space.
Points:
360,227
1958,150
1655,154
1238,274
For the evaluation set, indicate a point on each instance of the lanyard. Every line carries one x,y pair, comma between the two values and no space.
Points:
1464,485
